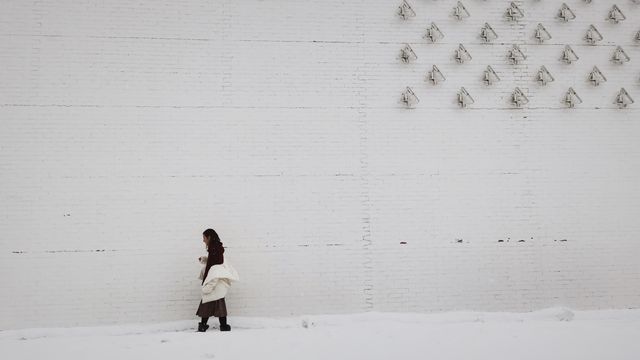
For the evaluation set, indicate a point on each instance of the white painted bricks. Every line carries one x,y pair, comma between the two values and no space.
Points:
127,128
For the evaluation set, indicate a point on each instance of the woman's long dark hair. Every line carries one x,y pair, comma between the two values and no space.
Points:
213,237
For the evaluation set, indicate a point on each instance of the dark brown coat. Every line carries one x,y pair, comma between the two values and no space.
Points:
215,257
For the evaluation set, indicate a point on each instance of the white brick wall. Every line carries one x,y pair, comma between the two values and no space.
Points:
128,127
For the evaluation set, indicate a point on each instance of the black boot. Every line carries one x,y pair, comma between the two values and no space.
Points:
223,324
202,327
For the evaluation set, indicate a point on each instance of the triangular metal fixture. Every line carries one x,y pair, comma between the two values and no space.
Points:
541,34
515,55
462,55
409,98
637,38
407,54
490,76
433,33
620,56
543,76
487,34
405,11
435,76
623,99
514,13
565,13
518,98
460,12
615,15
596,77
568,55
593,35
464,98
571,98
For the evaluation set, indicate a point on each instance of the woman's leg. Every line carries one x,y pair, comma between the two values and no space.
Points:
202,326
223,324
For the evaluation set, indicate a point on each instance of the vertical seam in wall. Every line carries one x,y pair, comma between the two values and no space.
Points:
34,73
227,55
522,121
365,202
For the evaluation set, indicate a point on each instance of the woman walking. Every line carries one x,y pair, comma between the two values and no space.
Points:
217,308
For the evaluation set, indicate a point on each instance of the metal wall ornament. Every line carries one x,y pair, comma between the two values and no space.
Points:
409,98
615,15
405,11
464,98
515,55
596,77
462,55
541,34
435,76
593,35
565,13
407,54
433,33
490,77
513,12
543,76
518,98
620,56
487,34
460,12
571,98
568,55
637,37
623,99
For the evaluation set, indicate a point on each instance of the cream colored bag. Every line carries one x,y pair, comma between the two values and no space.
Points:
218,281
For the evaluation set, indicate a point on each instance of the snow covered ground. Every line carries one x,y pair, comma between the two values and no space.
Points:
548,334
